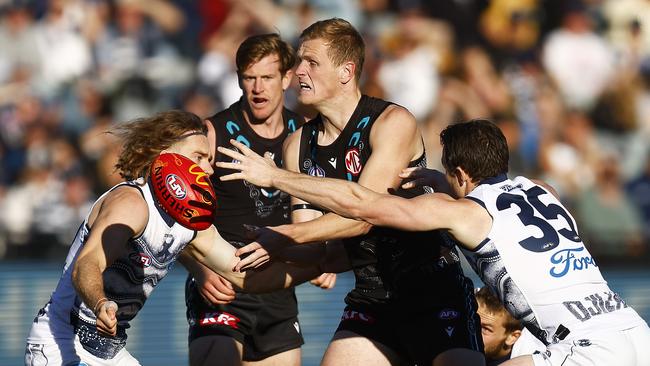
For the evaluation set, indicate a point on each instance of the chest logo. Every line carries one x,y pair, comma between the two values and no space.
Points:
332,162
567,260
316,171
353,161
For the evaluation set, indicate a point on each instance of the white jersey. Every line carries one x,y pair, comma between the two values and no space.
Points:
128,281
535,261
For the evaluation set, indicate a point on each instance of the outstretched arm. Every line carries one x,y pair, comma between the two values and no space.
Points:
218,255
214,288
466,221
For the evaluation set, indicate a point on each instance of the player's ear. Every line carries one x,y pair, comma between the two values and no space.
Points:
286,79
462,177
212,138
239,81
458,174
512,337
346,72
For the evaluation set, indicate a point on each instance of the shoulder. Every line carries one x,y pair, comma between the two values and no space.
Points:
293,140
223,115
291,148
396,124
218,117
125,197
396,116
124,204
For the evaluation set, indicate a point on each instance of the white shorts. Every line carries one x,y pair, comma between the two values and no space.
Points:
72,353
630,347
526,344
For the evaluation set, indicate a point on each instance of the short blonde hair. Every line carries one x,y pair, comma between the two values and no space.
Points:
344,42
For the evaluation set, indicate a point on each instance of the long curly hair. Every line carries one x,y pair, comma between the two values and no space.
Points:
144,138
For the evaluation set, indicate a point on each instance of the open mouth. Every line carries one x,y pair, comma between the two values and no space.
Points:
259,101
304,86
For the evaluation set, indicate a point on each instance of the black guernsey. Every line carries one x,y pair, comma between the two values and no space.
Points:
239,202
385,260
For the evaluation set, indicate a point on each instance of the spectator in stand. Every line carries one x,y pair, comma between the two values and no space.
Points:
609,220
579,60
638,191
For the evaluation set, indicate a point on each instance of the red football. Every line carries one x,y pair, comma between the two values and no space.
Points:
184,190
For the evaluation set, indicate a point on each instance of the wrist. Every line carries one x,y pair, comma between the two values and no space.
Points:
276,177
290,231
98,304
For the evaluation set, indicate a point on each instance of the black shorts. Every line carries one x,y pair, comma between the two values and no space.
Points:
265,324
422,325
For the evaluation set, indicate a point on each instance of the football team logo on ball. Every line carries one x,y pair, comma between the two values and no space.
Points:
183,190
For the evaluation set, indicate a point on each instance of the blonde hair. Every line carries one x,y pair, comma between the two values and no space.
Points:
144,138
344,43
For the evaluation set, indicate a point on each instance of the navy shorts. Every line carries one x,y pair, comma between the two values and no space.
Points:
434,315
266,324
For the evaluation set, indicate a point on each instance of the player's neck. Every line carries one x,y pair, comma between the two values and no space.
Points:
336,111
268,128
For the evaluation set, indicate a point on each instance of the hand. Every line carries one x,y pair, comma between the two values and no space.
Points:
106,319
267,241
325,281
418,177
252,167
213,288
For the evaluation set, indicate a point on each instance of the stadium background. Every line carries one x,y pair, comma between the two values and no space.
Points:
568,81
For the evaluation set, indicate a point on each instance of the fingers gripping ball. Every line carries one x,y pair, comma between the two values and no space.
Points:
184,191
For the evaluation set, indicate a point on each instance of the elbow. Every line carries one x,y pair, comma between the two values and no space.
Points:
237,279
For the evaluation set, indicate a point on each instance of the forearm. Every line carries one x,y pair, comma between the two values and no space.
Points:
219,256
276,276
327,227
338,196
335,195
193,266
88,283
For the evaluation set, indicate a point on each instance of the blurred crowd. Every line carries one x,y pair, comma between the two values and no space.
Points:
568,81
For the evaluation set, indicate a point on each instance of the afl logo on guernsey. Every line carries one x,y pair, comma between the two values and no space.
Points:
353,161
140,259
176,186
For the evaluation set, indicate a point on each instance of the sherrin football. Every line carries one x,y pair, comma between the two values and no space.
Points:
183,190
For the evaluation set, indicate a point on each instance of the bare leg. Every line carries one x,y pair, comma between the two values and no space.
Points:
287,358
353,350
459,357
520,361
211,350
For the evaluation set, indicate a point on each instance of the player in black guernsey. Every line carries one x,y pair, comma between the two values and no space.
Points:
411,303
265,327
